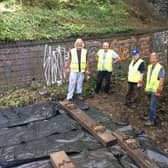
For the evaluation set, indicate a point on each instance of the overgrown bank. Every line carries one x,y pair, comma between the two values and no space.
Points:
54,19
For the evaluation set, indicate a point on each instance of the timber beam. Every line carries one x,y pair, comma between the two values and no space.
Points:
132,147
106,137
61,160
97,130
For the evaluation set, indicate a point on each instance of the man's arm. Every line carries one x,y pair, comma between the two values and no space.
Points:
160,88
161,82
96,57
141,69
161,78
67,66
88,69
116,57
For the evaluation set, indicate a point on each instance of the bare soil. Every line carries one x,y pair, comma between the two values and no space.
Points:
114,106
147,18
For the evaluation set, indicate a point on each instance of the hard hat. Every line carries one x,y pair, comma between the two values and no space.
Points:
135,52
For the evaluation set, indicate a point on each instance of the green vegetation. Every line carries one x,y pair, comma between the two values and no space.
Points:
26,96
53,19
20,97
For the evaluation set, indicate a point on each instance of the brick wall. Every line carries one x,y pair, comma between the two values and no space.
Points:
18,65
160,44
21,62
123,46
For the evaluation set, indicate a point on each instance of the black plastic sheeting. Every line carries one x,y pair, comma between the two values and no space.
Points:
99,158
20,116
37,130
28,135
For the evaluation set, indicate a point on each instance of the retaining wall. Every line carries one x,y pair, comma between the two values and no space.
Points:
21,62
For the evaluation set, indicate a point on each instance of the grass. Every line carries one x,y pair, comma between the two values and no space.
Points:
36,22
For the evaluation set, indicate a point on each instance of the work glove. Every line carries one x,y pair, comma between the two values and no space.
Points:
139,84
67,68
88,71
88,77
158,92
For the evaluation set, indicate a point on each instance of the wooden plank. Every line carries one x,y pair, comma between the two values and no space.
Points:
100,132
134,151
61,160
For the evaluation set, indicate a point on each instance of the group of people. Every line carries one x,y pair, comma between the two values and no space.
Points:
78,64
154,82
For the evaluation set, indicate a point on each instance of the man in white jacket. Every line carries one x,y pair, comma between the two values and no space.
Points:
77,64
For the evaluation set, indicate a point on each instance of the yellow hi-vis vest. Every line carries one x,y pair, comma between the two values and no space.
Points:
133,73
152,78
107,63
74,60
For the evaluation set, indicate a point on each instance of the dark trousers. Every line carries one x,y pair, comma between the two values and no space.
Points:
132,93
103,75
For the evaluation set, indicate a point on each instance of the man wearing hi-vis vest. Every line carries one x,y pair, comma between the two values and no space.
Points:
77,65
105,63
135,78
154,86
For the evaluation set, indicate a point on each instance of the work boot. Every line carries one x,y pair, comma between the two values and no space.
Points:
80,97
145,117
96,95
149,123
70,99
133,106
105,96
128,104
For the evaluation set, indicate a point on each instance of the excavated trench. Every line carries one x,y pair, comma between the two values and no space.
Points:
28,135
